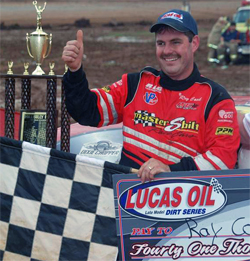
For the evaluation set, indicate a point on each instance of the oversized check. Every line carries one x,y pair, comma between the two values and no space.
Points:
199,215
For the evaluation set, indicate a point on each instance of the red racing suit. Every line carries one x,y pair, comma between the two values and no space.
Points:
189,124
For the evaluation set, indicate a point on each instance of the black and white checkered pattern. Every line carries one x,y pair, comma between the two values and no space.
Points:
144,121
54,205
216,185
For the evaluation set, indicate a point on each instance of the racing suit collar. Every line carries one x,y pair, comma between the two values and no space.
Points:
174,85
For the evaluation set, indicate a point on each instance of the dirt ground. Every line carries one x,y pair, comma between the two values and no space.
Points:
117,40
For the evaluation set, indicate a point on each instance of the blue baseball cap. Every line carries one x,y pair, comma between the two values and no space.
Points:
180,20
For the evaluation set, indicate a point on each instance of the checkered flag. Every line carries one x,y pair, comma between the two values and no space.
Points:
216,185
55,205
144,118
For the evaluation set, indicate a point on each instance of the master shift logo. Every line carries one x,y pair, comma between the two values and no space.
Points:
149,119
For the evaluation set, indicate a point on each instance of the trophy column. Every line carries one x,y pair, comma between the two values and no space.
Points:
65,124
51,128
26,90
26,94
9,107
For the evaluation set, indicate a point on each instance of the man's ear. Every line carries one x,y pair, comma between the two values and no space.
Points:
196,43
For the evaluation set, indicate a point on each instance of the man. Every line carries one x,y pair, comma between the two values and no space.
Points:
229,39
173,119
214,37
247,34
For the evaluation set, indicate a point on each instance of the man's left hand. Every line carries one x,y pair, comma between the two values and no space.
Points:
150,168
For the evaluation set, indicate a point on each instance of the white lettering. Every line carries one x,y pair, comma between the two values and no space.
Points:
174,124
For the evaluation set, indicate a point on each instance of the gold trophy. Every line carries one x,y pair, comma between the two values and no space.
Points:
38,42
26,66
51,66
10,65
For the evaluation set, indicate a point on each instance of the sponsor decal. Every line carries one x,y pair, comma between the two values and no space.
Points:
173,199
173,15
104,149
182,124
150,98
183,134
118,83
226,116
149,119
153,88
187,106
224,131
106,88
193,98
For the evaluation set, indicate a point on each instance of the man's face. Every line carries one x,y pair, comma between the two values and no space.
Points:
175,54
232,28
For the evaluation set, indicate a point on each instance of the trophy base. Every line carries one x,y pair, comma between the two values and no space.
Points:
38,71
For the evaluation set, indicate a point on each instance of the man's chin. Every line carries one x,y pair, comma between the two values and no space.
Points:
171,72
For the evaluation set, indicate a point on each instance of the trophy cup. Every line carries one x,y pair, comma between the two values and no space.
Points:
10,65
38,43
26,66
51,66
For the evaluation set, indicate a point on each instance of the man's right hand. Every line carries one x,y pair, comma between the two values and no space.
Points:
73,52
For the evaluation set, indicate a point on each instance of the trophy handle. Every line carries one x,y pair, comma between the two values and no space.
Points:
50,44
28,45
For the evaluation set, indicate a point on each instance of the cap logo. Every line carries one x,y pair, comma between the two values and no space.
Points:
173,15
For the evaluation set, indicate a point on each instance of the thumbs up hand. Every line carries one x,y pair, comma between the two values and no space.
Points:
73,52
